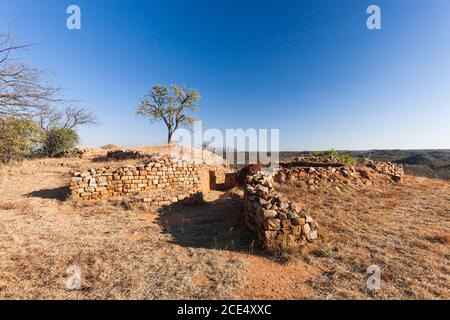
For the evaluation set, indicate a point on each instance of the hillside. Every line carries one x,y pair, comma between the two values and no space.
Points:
426,163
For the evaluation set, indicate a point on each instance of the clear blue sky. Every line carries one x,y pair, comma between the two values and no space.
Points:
310,68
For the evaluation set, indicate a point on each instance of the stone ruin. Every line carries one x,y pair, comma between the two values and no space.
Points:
395,170
275,219
312,173
159,172
272,216
267,211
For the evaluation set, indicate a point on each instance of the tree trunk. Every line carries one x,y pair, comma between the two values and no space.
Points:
169,137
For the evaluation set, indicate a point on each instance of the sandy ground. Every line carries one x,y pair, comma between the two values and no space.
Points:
126,251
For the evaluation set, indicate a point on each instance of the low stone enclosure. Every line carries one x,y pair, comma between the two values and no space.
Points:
314,172
159,172
277,220
267,212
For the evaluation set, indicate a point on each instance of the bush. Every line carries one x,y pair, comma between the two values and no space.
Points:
59,139
18,138
340,156
285,252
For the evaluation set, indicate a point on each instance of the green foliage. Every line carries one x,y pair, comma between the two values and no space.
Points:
59,139
170,106
333,153
18,138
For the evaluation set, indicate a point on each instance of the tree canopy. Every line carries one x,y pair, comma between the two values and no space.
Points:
170,105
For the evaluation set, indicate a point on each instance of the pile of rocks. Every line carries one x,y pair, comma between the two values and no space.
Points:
159,172
124,155
393,169
80,152
318,159
189,197
272,216
313,177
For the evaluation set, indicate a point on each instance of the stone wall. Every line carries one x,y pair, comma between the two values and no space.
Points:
185,198
157,173
272,216
312,178
389,168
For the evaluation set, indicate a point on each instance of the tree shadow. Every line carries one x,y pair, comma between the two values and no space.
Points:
217,224
60,193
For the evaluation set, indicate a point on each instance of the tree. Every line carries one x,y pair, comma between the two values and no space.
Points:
18,138
23,92
31,113
68,118
170,106
59,128
59,139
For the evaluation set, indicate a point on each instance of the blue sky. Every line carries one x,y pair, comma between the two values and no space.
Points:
309,68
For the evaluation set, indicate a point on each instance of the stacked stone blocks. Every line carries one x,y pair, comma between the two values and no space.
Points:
272,216
157,173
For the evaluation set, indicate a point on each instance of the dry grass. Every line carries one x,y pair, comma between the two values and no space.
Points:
204,252
404,229
285,252
123,252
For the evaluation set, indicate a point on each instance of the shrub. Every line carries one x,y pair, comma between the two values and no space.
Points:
18,138
59,139
333,153
285,252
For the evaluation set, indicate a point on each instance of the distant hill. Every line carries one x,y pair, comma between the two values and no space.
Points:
428,163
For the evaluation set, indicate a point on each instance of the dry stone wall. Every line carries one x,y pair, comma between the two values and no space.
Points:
389,168
157,173
272,216
185,198
312,178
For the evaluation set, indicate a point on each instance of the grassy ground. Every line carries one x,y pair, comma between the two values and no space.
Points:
205,252
123,253
404,229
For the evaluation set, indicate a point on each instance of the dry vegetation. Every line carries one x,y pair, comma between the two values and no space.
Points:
404,229
123,253
204,252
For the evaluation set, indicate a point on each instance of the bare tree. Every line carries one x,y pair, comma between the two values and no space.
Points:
171,108
23,92
68,118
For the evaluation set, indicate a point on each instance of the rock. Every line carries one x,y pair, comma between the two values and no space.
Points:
269,236
296,230
364,174
272,224
292,215
268,214
309,219
285,224
396,178
311,236
306,229
298,221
